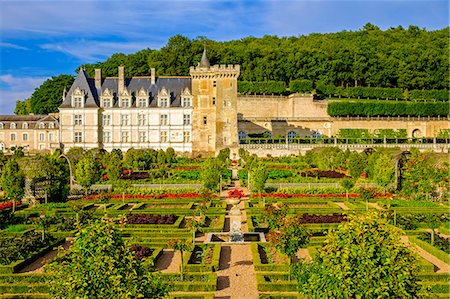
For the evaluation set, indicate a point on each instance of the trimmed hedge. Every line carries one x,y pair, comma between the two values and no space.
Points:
301,86
387,108
433,94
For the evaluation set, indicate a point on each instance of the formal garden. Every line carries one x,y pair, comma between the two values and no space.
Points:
151,224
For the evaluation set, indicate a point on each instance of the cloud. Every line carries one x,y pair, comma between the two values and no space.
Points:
14,88
12,46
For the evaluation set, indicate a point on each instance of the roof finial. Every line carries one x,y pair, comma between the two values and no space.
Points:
204,62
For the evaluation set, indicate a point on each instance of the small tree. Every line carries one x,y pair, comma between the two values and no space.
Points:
114,166
182,246
258,178
347,184
363,258
384,170
87,172
101,265
210,174
13,181
275,215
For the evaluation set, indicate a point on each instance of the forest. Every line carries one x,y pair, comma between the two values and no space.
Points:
397,58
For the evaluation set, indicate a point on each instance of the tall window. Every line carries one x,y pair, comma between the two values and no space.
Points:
141,119
25,136
106,137
186,119
142,136
205,120
106,120
41,126
142,103
78,137
78,119
186,102
13,136
124,119
163,136
51,125
125,103
25,126
164,102
186,137
164,119
106,103
13,125
125,137
77,102
51,136
41,136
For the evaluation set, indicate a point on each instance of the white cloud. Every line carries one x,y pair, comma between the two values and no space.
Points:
14,88
12,46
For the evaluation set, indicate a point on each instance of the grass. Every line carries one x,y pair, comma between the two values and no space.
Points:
17,228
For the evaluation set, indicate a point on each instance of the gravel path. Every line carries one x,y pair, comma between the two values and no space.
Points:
342,206
375,206
443,267
38,265
169,261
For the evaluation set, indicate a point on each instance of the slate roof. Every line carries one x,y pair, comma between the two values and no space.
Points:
174,86
31,120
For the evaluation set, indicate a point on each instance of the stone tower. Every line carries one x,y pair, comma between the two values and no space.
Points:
214,90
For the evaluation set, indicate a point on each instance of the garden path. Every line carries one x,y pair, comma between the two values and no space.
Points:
38,265
342,206
443,266
169,261
375,206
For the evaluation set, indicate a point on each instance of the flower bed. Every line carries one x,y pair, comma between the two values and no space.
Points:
151,219
150,196
9,204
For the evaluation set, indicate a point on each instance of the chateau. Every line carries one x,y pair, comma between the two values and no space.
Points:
200,113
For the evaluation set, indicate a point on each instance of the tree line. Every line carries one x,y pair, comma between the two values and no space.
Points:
399,58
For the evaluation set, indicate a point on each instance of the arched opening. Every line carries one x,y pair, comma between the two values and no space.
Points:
416,133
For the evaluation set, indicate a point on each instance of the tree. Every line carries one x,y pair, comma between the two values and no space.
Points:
13,181
87,171
363,258
210,174
182,246
114,165
170,155
384,170
347,184
48,97
100,264
258,178
23,107
161,157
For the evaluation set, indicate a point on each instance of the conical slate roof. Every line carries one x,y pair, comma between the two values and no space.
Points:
204,62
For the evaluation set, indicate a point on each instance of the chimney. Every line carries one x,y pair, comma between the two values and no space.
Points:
98,79
153,72
121,83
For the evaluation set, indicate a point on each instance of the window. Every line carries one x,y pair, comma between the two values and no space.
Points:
186,119
106,137
141,119
214,101
41,137
51,137
205,120
142,103
214,83
209,139
186,137
142,136
125,136
25,136
13,136
77,102
25,126
106,103
78,119
163,136
106,120
186,102
51,125
41,126
164,102
41,147
78,137
124,119
242,135
163,119
1,126
13,125
125,103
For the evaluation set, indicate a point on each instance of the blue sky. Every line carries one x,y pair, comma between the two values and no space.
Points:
40,39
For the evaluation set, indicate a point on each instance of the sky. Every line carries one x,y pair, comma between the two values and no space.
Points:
41,39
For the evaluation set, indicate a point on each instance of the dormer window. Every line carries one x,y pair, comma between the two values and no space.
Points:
41,126
187,102
77,102
163,102
25,126
1,126
125,103
107,103
142,103
51,125
13,125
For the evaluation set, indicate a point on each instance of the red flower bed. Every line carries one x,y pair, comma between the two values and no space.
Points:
132,196
312,218
151,219
328,195
236,193
7,205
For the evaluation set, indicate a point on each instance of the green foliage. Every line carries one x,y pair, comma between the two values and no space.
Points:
210,174
387,108
357,164
114,166
47,97
87,171
101,265
19,248
438,95
13,181
384,170
258,178
301,86
23,107
363,258
329,158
